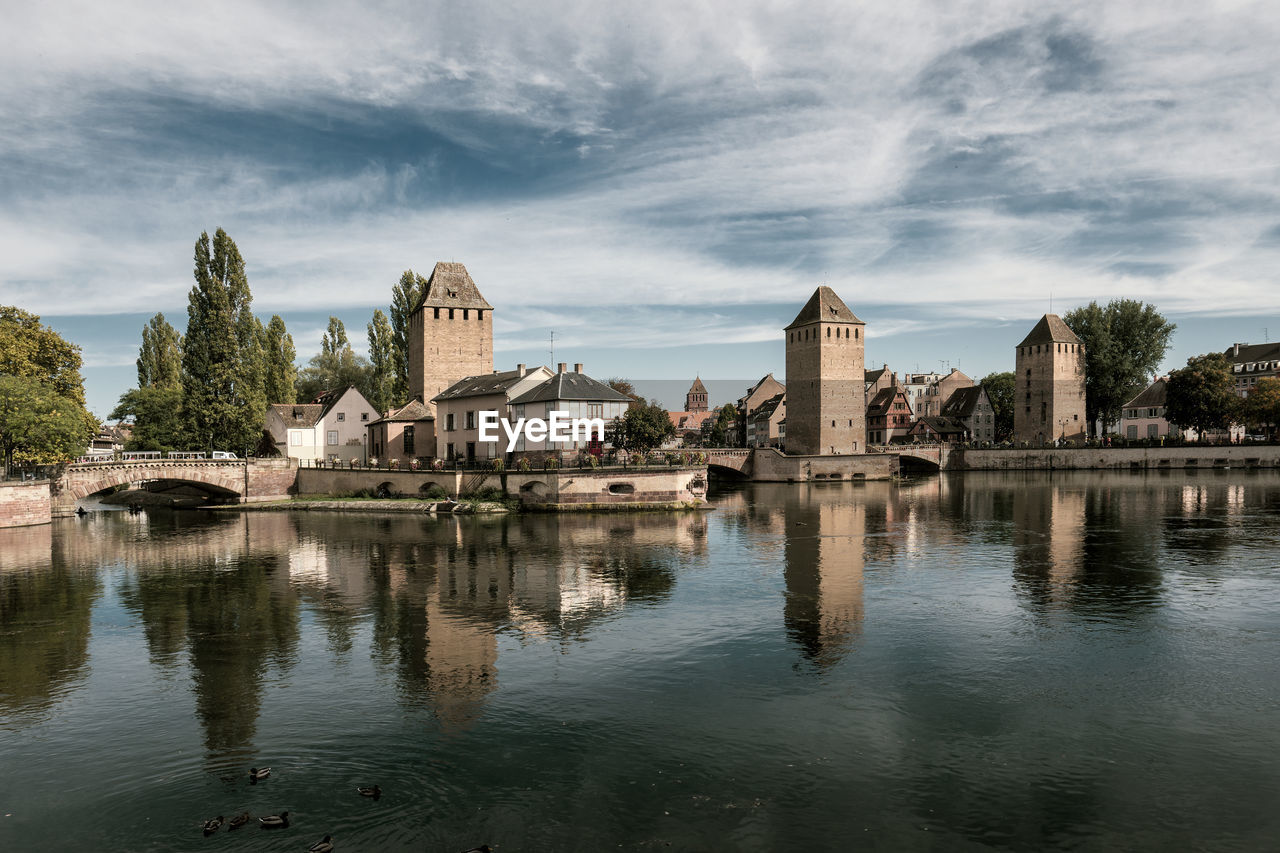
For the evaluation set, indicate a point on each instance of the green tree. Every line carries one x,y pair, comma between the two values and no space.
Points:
1124,344
1262,406
39,425
725,431
31,349
1000,388
335,366
404,298
1201,396
224,403
157,417
281,374
623,386
381,369
160,356
643,427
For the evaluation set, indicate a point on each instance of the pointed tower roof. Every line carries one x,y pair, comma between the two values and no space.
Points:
1050,330
824,307
697,387
450,286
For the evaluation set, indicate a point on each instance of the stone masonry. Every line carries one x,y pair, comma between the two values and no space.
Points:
450,333
1049,384
24,504
826,408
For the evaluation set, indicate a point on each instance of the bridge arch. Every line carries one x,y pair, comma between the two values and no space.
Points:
220,480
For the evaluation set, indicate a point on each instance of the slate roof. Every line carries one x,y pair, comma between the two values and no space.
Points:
940,425
824,307
481,385
873,376
1151,397
299,415
450,286
1254,352
1050,330
766,409
962,402
571,386
881,402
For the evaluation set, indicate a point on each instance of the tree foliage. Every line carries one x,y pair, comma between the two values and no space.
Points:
280,375
223,396
39,425
1125,341
1262,406
643,427
725,431
381,371
404,298
1001,388
1201,396
30,349
156,413
624,386
160,356
335,366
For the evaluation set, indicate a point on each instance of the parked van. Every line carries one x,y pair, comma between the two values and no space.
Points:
223,454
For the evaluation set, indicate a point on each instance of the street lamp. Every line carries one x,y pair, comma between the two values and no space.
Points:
1064,422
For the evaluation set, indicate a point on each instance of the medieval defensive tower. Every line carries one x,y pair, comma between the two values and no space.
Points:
826,409
450,332
1049,384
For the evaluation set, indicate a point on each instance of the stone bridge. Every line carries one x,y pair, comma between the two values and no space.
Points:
233,480
931,457
735,459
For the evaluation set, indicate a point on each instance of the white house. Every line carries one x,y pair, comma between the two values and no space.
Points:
332,427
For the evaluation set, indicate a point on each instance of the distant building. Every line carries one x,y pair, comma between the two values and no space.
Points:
332,426
875,380
578,396
408,432
939,391
763,429
450,332
1252,362
766,389
690,426
696,399
826,397
936,430
889,416
1049,384
972,407
1143,416
917,386
458,409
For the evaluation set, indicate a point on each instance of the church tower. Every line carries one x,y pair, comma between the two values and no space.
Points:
826,406
1049,384
696,399
450,333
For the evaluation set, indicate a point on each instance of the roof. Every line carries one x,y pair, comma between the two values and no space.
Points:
450,286
482,385
824,307
1253,352
298,415
571,386
697,387
940,425
1151,397
690,420
1050,330
414,410
884,398
962,402
873,376
768,407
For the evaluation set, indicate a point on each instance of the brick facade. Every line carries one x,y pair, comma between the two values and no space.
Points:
1049,384
826,398
24,504
450,333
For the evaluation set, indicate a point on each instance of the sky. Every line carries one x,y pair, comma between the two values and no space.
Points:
660,184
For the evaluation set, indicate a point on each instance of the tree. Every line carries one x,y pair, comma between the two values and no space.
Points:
643,427
160,356
1262,406
404,298
223,398
1201,396
157,417
725,430
281,374
39,425
30,349
624,386
1124,344
335,366
381,370
1000,388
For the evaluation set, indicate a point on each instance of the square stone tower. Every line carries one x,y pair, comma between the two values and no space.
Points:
1049,384
450,333
826,405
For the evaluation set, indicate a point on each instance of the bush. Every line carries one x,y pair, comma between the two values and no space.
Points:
433,492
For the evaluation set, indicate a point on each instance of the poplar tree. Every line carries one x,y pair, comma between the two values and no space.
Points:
404,298
335,366
224,403
280,379
381,374
160,356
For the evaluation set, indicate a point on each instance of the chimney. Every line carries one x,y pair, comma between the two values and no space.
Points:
577,368
1236,349
520,371
561,367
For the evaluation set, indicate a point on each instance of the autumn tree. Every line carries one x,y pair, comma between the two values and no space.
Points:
1262,406
1201,396
381,369
1124,343
1000,388
223,396
39,425
624,386
404,298
160,356
280,372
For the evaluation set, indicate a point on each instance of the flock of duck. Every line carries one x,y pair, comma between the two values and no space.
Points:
281,820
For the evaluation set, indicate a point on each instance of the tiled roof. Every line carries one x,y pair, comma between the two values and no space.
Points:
571,386
1253,352
690,420
412,411
768,407
1151,397
480,386
450,286
1050,330
299,415
697,387
881,402
873,376
940,425
962,402
824,307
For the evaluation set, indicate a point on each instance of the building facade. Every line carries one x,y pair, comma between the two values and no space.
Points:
889,415
578,396
332,427
826,396
458,410
450,333
1049,384
1251,363
408,432
766,389
972,407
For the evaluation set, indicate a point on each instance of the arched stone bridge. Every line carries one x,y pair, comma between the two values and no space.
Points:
768,464
238,480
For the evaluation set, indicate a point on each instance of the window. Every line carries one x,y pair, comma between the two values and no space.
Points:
1153,430
471,420
364,416
408,441
437,313
448,450
449,427
595,410
295,437
450,313
466,313
342,416
332,438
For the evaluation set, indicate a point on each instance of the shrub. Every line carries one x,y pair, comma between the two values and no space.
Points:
433,491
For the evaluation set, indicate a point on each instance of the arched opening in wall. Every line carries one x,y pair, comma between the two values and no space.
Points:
432,491
533,490
622,489
385,490
160,493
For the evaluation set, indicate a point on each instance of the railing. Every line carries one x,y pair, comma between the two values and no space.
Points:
116,457
619,461
29,473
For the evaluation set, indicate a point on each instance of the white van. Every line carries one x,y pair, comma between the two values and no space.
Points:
222,454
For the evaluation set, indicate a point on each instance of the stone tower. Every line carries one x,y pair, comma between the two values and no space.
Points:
1049,384
826,409
696,399
450,333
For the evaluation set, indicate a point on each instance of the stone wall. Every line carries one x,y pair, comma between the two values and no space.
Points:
23,504
443,350
770,466
1054,385
826,395
1121,458
270,479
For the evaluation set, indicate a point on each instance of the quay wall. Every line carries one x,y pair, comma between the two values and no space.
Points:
24,504
1116,458
770,466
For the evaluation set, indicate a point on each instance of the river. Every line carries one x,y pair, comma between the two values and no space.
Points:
983,661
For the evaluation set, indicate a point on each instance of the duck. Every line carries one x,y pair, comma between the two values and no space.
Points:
274,821
239,820
324,845
370,791
255,774
212,826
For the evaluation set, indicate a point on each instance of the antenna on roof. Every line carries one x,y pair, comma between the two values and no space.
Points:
1050,301
553,346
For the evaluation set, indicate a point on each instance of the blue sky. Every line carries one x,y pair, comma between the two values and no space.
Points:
663,184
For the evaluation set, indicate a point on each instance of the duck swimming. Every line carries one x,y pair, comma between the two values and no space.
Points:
274,821
212,826
239,820
370,791
255,774
324,845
